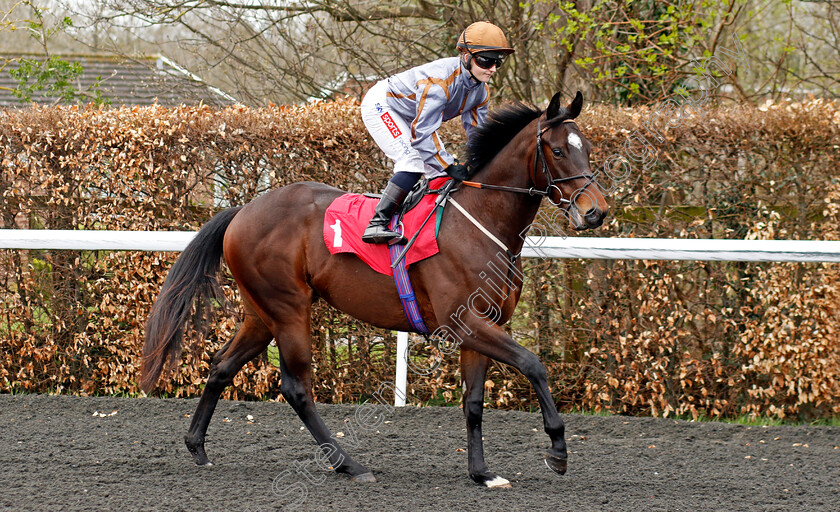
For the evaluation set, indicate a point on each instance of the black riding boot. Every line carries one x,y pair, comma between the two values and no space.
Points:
378,231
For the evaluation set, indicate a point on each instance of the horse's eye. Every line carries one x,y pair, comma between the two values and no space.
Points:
558,153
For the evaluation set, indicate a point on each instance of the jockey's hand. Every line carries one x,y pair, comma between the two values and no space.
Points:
458,171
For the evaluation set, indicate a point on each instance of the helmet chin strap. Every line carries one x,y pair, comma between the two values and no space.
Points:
469,67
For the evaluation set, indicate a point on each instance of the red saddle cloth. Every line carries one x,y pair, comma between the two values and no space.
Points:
347,217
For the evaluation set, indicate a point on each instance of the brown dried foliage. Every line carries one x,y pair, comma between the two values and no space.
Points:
636,337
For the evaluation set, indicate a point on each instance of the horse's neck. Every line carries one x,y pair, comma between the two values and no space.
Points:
506,214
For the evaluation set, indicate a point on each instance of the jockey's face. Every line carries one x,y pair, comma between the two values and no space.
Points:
481,73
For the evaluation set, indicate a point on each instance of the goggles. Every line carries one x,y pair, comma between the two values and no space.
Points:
485,62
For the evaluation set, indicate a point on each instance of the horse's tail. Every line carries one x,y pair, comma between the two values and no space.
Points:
193,276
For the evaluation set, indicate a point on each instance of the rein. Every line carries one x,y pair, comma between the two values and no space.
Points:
551,181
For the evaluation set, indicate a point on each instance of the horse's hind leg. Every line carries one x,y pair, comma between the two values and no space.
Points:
474,371
249,341
293,340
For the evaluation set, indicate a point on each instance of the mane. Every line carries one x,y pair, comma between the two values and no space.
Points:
500,127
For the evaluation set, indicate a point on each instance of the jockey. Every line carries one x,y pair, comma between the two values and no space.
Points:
404,112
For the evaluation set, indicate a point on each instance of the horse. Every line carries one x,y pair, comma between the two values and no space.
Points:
275,250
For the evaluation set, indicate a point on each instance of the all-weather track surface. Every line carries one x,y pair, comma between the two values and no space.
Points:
73,453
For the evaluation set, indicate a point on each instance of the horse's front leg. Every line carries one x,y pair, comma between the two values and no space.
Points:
493,342
474,373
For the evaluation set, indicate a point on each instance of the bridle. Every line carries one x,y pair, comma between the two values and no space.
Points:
551,181
551,184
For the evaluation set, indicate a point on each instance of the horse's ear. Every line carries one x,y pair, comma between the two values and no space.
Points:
569,112
575,106
554,107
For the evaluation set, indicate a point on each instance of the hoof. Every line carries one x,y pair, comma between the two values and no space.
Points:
555,464
491,480
498,483
201,459
365,478
198,453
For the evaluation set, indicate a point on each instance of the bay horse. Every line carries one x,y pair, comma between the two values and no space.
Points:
275,250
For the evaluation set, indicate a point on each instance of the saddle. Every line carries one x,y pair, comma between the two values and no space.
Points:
347,217
416,194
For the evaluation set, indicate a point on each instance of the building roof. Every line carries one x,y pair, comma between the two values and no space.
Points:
345,84
123,80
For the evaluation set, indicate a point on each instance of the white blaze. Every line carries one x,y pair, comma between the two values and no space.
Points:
575,141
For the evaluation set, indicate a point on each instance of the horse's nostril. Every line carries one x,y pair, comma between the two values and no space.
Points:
594,216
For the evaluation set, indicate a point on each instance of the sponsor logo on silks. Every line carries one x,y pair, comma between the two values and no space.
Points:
391,125
337,241
405,146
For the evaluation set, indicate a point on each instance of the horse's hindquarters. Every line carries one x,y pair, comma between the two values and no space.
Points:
276,252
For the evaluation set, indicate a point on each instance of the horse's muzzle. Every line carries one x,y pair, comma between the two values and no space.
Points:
594,218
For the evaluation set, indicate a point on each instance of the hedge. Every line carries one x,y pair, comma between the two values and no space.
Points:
637,337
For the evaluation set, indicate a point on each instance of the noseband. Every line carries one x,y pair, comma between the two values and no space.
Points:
551,181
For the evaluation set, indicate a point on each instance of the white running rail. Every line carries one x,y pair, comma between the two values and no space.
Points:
547,247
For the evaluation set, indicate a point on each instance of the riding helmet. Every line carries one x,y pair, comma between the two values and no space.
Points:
483,36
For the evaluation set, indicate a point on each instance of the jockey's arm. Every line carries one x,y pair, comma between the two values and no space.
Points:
424,138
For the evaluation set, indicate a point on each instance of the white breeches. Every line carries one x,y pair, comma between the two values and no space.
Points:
392,134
